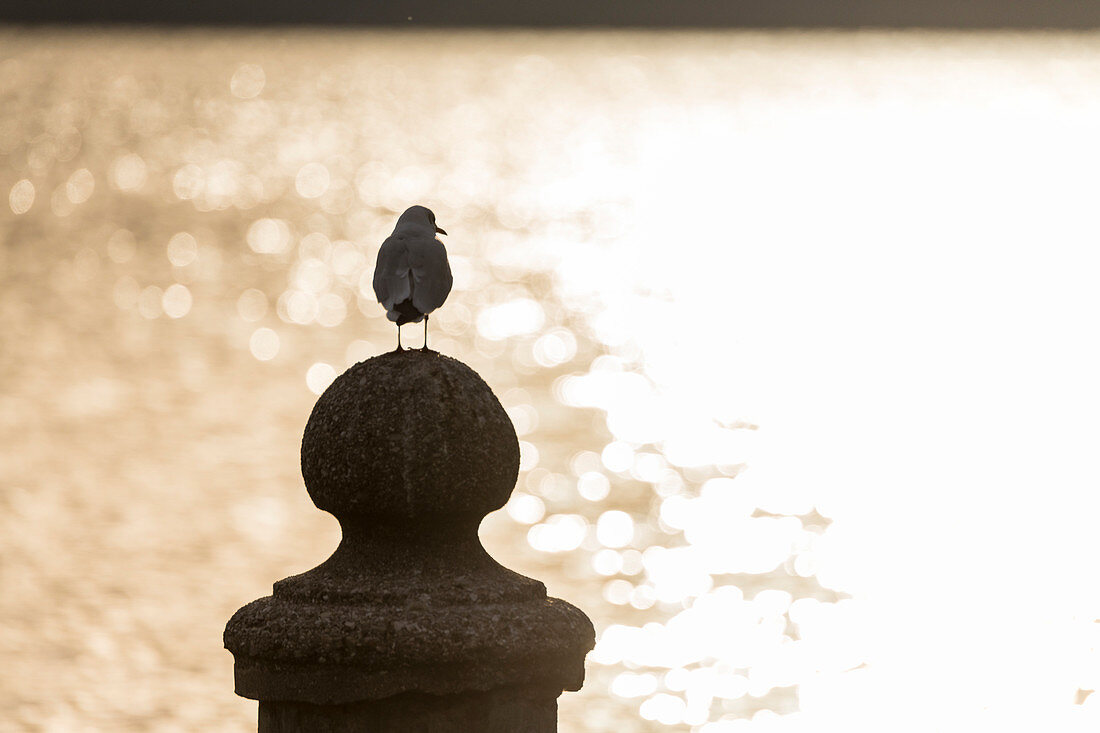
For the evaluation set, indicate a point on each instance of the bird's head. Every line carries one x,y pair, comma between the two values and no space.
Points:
418,217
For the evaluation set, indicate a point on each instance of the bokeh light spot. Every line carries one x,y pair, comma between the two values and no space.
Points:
149,303
312,275
643,597
252,305
331,310
618,591
176,300
182,249
615,528
528,456
556,347
247,81
524,417
664,708
607,562
80,186
264,344
618,456
301,307
129,172
269,236
21,197
559,533
525,508
631,684
593,486
585,461
188,182
319,377
312,180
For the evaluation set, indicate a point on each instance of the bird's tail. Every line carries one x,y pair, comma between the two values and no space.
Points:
405,312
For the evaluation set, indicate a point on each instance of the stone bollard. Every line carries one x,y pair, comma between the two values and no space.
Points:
409,626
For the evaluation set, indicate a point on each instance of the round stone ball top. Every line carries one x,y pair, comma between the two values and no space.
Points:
409,434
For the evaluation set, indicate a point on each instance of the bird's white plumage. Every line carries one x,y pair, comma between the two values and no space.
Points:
412,276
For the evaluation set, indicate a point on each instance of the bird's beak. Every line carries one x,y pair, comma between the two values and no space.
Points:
439,230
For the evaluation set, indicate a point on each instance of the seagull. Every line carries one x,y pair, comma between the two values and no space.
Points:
412,276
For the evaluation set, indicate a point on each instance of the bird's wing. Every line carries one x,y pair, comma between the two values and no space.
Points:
432,272
391,273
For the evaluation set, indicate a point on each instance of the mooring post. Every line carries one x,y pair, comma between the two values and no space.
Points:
409,626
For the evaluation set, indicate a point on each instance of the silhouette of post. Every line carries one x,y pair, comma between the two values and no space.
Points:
409,625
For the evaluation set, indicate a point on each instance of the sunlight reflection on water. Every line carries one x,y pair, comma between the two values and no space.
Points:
660,246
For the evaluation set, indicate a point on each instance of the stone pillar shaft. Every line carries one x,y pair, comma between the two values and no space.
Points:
504,710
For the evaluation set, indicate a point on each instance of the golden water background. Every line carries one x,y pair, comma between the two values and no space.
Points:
795,329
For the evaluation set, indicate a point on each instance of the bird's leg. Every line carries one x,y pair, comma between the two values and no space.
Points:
425,333
399,339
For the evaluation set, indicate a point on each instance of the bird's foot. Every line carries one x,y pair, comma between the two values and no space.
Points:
430,351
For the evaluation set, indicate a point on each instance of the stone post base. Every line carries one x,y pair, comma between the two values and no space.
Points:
503,710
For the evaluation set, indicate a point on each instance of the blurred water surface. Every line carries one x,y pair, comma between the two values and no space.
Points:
701,271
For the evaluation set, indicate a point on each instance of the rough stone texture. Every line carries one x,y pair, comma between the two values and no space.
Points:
409,450
409,434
